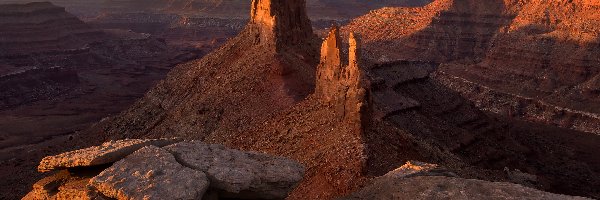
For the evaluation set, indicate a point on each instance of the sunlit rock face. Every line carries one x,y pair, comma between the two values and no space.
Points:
339,79
281,23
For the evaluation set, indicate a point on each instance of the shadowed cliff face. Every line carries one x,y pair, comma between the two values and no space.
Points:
533,52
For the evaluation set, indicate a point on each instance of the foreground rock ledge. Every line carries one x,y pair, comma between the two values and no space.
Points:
252,174
150,173
108,152
417,180
145,169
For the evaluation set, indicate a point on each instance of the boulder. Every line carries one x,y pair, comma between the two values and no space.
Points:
108,152
240,174
416,168
441,187
150,173
417,180
64,185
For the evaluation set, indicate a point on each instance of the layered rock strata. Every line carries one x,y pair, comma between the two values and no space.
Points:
41,27
539,56
184,170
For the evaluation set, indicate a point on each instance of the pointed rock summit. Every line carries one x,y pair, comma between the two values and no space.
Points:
339,78
280,22
267,68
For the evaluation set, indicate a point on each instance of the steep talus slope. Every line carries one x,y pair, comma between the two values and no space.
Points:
331,132
265,69
41,27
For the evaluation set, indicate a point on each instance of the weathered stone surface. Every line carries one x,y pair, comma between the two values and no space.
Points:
47,187
108,152
418,180
439,187
341,84
63,185
416,168
150,173
240,174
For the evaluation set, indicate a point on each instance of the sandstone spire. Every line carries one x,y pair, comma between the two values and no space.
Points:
281,22
339,83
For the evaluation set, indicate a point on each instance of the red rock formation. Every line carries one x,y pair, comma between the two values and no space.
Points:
543,51
268,67
282,22
529,60
339,83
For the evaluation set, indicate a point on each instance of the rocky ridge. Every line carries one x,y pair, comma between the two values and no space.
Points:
137,169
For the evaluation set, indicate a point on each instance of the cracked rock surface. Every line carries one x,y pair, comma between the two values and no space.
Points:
240,173
150,173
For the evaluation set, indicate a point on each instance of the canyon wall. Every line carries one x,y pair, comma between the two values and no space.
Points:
41,27
541,50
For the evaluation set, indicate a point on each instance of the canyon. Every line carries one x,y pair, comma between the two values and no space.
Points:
59,75
548,77
501,95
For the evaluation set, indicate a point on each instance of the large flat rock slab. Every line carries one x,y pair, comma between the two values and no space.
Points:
150,173
106,153
240,174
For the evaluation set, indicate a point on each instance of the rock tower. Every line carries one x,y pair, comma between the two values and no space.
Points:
280,22
339,78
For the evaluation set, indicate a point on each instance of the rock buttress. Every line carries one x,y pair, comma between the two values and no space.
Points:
340,84
280,22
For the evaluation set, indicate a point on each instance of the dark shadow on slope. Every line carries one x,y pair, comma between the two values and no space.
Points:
562,159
